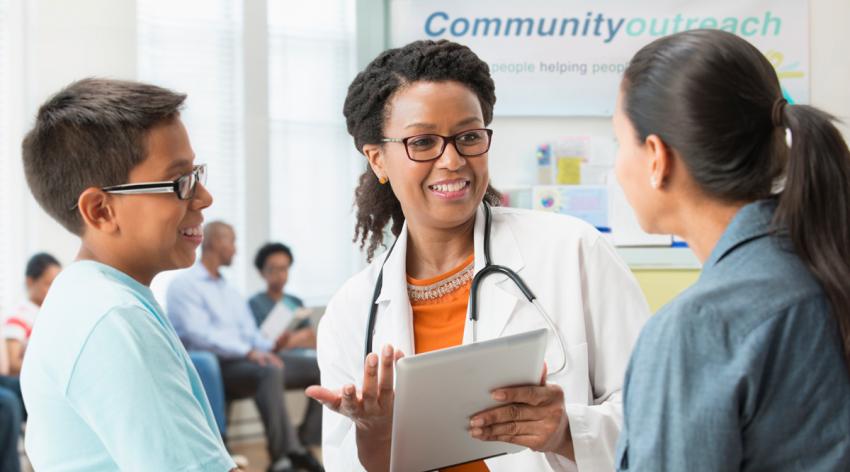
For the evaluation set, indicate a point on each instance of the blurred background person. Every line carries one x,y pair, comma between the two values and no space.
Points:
41,269
209,314
273,262
12,413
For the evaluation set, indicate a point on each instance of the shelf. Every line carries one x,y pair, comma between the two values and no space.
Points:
659,258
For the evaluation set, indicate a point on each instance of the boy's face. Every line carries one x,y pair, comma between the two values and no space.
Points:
159,232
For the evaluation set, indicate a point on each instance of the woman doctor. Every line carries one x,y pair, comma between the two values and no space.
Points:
419,115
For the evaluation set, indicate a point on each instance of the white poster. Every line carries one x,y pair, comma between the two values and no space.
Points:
566,57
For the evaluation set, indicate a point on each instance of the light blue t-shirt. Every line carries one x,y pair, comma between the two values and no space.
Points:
108,386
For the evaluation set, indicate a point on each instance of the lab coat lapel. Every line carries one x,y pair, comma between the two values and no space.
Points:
497,295
395,318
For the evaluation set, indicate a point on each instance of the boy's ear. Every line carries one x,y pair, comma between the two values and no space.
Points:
97,211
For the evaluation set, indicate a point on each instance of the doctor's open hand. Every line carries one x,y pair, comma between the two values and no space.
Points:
371,408
532,416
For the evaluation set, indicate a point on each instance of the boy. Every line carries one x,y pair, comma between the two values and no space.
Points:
107,384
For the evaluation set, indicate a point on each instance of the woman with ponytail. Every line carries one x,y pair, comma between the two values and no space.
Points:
749,369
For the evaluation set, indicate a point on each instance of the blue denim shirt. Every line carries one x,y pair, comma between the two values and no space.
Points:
744,370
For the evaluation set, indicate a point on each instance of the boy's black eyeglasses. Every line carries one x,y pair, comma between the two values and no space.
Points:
427,147
184,186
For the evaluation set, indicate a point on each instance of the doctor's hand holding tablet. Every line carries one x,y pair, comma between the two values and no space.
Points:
431,410
478,297
533,416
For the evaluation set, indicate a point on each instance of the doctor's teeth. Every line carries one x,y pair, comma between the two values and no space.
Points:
453,187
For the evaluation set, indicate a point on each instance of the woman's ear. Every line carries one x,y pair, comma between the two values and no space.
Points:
660,161
97,211
375,155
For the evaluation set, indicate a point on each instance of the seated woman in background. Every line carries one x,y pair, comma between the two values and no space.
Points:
273,261
748,369
41,269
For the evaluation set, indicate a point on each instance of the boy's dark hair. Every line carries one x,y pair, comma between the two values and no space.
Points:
39,263
366,109
91,134
267,250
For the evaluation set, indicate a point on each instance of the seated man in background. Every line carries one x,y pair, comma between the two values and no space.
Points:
273,261
41,269
209,314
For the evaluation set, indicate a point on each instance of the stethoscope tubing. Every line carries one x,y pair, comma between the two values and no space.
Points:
488,269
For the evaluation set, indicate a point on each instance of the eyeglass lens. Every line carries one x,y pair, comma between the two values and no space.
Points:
431,146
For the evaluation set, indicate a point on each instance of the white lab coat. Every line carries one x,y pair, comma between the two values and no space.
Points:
578,278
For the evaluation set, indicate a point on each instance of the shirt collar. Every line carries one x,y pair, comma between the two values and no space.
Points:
121,277
753,221
200,272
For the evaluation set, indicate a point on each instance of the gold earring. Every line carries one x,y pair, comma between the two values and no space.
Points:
382,180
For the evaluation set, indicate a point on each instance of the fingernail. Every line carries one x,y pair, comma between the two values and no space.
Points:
388,350
475,432
476,422
498,396
373,361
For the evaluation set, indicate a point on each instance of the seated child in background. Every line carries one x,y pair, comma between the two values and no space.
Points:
42,268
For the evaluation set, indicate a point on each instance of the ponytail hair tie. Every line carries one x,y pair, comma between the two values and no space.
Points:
776,112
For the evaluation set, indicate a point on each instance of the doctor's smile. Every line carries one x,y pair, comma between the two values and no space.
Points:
450,189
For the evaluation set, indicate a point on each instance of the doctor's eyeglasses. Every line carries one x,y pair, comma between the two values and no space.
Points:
184,186
427,147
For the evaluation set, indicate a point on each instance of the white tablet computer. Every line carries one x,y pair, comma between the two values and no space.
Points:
438,391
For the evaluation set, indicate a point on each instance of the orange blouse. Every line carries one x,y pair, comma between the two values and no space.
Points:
439,316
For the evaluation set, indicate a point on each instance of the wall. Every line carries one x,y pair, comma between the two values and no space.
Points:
69,40
662,285
65,41
515,138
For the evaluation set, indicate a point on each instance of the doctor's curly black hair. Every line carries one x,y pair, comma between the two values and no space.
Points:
365,110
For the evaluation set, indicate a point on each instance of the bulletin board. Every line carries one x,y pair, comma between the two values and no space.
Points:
576,51
565,58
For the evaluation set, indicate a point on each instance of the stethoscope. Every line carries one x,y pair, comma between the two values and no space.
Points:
489,268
